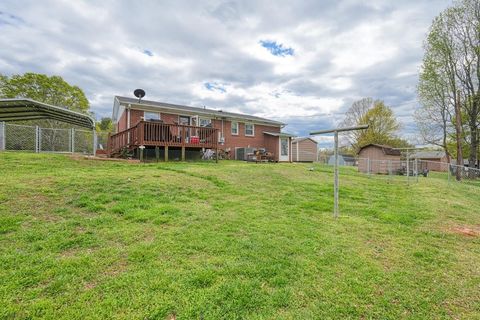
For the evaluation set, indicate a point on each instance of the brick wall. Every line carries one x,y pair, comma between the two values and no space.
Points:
259,140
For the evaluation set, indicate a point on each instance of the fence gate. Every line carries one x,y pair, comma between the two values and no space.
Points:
36,139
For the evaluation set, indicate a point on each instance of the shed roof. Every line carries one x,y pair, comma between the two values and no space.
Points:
296,140
388,150
200,111
27,109
428,154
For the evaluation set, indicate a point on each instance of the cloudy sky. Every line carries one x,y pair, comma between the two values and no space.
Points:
301,62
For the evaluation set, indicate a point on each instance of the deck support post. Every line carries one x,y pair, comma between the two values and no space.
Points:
216,155
183,153
166,153
157,153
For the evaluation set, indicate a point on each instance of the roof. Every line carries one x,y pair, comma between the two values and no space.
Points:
428,154
201,111
303,139
27,109
388,150
279,134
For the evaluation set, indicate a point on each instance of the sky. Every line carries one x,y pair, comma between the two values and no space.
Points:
299,62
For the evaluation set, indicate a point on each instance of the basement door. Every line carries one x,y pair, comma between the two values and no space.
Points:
284,150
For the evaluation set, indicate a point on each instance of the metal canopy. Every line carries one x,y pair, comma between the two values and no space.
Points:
27,109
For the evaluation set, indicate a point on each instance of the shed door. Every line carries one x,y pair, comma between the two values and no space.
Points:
284,150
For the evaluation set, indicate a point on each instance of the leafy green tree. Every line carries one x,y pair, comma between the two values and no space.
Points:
383,126
51,90
105,125
449,85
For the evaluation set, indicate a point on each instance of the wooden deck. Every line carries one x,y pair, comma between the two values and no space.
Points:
158,134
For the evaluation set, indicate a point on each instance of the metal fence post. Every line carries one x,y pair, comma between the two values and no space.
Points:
94,142
72,140
38,136
2,136
416,169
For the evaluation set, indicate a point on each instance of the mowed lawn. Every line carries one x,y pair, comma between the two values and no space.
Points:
83,239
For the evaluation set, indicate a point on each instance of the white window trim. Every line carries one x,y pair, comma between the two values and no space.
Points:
238,128
253,130
159,115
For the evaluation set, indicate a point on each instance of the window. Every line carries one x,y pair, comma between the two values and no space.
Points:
284,147
249,129
234,128
151,115
203,122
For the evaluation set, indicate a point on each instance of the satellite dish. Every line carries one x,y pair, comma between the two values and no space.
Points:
139,93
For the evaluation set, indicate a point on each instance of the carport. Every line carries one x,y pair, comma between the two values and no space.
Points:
59,139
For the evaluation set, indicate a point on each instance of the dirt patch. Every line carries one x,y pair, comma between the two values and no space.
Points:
468,231
80,157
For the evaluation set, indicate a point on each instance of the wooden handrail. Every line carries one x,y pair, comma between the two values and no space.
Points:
152,133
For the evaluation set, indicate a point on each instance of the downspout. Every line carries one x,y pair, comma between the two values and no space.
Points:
128,116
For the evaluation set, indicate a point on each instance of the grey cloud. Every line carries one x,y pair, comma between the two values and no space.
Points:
95,46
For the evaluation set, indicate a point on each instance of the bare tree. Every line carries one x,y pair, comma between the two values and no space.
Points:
450,77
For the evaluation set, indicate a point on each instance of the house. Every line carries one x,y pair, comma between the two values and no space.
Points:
304,150
166,128
431,160
343,160
377,158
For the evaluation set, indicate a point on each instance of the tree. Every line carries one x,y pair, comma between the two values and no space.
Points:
353,117
451,71
383,126
51,90
105,125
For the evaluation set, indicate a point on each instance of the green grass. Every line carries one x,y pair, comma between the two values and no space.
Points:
88,239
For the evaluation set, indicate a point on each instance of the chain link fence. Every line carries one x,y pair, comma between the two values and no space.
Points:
411,170
36,139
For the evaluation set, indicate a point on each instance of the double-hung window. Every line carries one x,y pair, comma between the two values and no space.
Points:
234,128
151,116
204,122
249,129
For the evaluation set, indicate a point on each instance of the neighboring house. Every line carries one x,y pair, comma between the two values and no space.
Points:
156,124
431,160
343,160
376,158
304,150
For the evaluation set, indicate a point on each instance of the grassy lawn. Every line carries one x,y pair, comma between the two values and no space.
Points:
89,239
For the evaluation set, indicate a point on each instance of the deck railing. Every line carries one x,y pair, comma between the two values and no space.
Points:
152,133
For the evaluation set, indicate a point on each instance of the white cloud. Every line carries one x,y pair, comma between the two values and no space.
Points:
343,50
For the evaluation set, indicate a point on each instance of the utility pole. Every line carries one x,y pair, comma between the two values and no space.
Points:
458,131
335,153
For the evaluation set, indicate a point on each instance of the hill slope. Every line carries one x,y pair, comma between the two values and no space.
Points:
88,239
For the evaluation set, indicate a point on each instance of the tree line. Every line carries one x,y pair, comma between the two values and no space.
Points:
449,83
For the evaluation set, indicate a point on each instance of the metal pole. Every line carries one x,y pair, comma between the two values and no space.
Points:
95,142
72,140
2,136
335,187
38,135
408,168
416,169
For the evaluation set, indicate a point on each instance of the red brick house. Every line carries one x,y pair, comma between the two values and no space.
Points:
153,124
